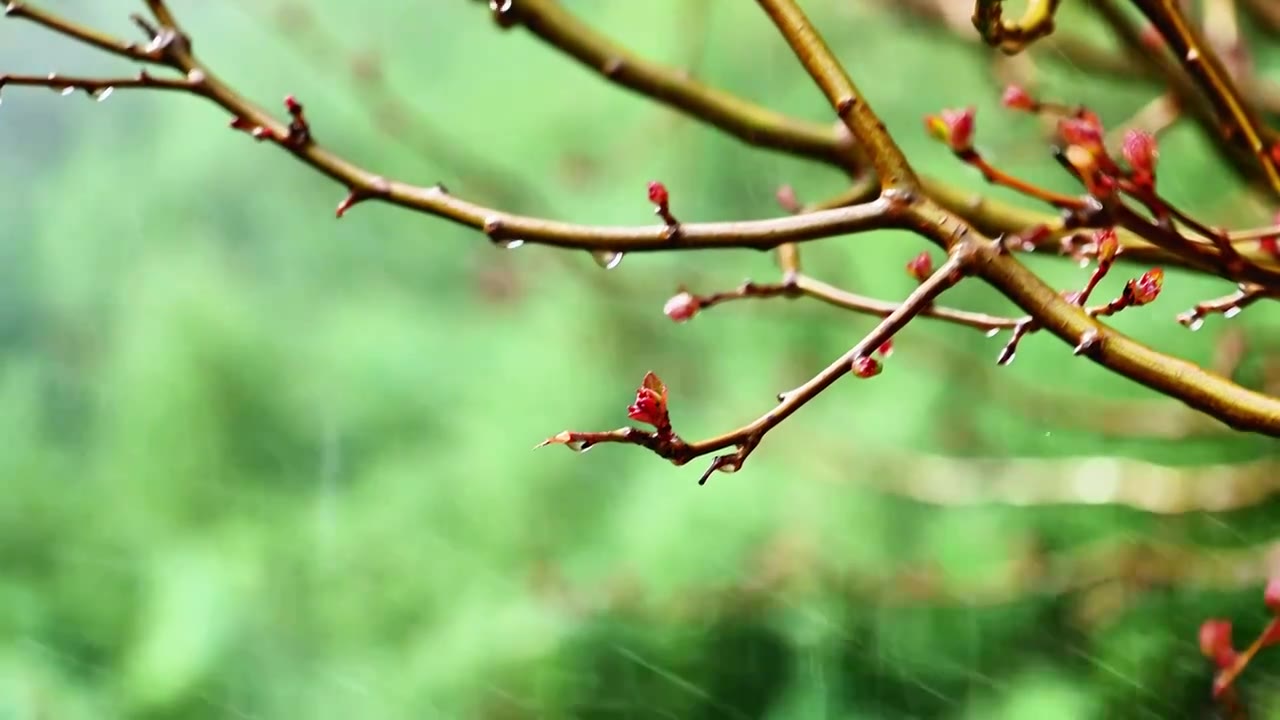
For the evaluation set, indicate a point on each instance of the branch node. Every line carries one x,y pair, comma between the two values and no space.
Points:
613,66
1090,343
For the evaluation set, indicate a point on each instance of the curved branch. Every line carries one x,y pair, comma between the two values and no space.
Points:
744,120
1013,36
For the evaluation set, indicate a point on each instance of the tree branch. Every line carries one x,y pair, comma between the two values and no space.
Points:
890,164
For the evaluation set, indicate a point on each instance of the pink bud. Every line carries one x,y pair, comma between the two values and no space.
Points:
650,406
658,193
921,266
1215,642
788,200
1015,98
1146,288
953,127
1271,596
1140,151
1108,245
886,348
292,105
681,307
866,367
1080,131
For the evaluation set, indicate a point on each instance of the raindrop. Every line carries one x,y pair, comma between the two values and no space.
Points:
103,94
1084,262
1195,324
607,259
512,244
993,332
1231,312
67,91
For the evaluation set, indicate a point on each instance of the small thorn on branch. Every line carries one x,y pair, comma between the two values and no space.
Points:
727,464
353,197
258,132
1088,344
1228,306
1010,349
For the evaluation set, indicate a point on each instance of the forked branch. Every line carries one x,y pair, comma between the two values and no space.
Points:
906,201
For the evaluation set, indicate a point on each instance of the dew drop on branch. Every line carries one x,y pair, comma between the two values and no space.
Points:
102,94
512,244
1195,324
607,259
993,332
67,91
1231,312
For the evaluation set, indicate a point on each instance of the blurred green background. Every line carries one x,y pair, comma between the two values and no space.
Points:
257,463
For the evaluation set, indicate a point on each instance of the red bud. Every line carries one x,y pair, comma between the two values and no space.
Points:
953,127
1081,131
921,266
651,404
1215,642
1140,151
866,367
681,307
658,193
1146,288
1015,98
1271,596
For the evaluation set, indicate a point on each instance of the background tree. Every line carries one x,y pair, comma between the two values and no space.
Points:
1126,198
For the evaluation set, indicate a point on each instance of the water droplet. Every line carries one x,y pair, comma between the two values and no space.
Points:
993,332
512,244
1084,262
67,91
103,94
607,259
1195,324
1231,312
